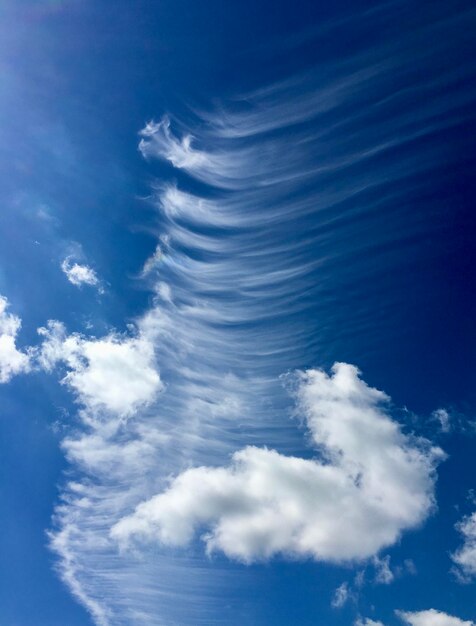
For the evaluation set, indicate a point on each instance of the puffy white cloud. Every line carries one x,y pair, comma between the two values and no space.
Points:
114,373
79,274
12,360
465,557
367,622
369,483
431,618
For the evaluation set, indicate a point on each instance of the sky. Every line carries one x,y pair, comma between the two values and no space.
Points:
237,303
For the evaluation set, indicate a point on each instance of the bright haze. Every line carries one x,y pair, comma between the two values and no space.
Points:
237,313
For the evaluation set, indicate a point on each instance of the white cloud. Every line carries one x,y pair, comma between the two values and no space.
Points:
421,618
341,596
79,274
465,557
370,483
443,417
159,140
217,167
114,373
62,543
153,261
383,572
12,360
431,618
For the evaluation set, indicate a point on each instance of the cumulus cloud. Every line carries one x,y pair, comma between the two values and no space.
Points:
369,483
465,556
78,274
431,618
12,360
114,373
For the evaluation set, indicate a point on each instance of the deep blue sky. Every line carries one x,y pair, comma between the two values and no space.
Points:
393,292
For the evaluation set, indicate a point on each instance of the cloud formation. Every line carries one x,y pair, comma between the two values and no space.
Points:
383,571
443,417
465,557
115,373
239,301
341,595
369,484
12,360
431,618
78,274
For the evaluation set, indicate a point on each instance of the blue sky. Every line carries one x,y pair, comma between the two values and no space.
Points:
237,347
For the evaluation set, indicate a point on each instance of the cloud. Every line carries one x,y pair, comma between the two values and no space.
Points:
115,373
158,140
242,292
420,618
370,483
62,543
443,417
465,556
431,618
78,274
341,595
383,572
12,360
218,167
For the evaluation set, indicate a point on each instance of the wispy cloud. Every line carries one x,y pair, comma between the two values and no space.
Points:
341,596
465,557
443,417
383,572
